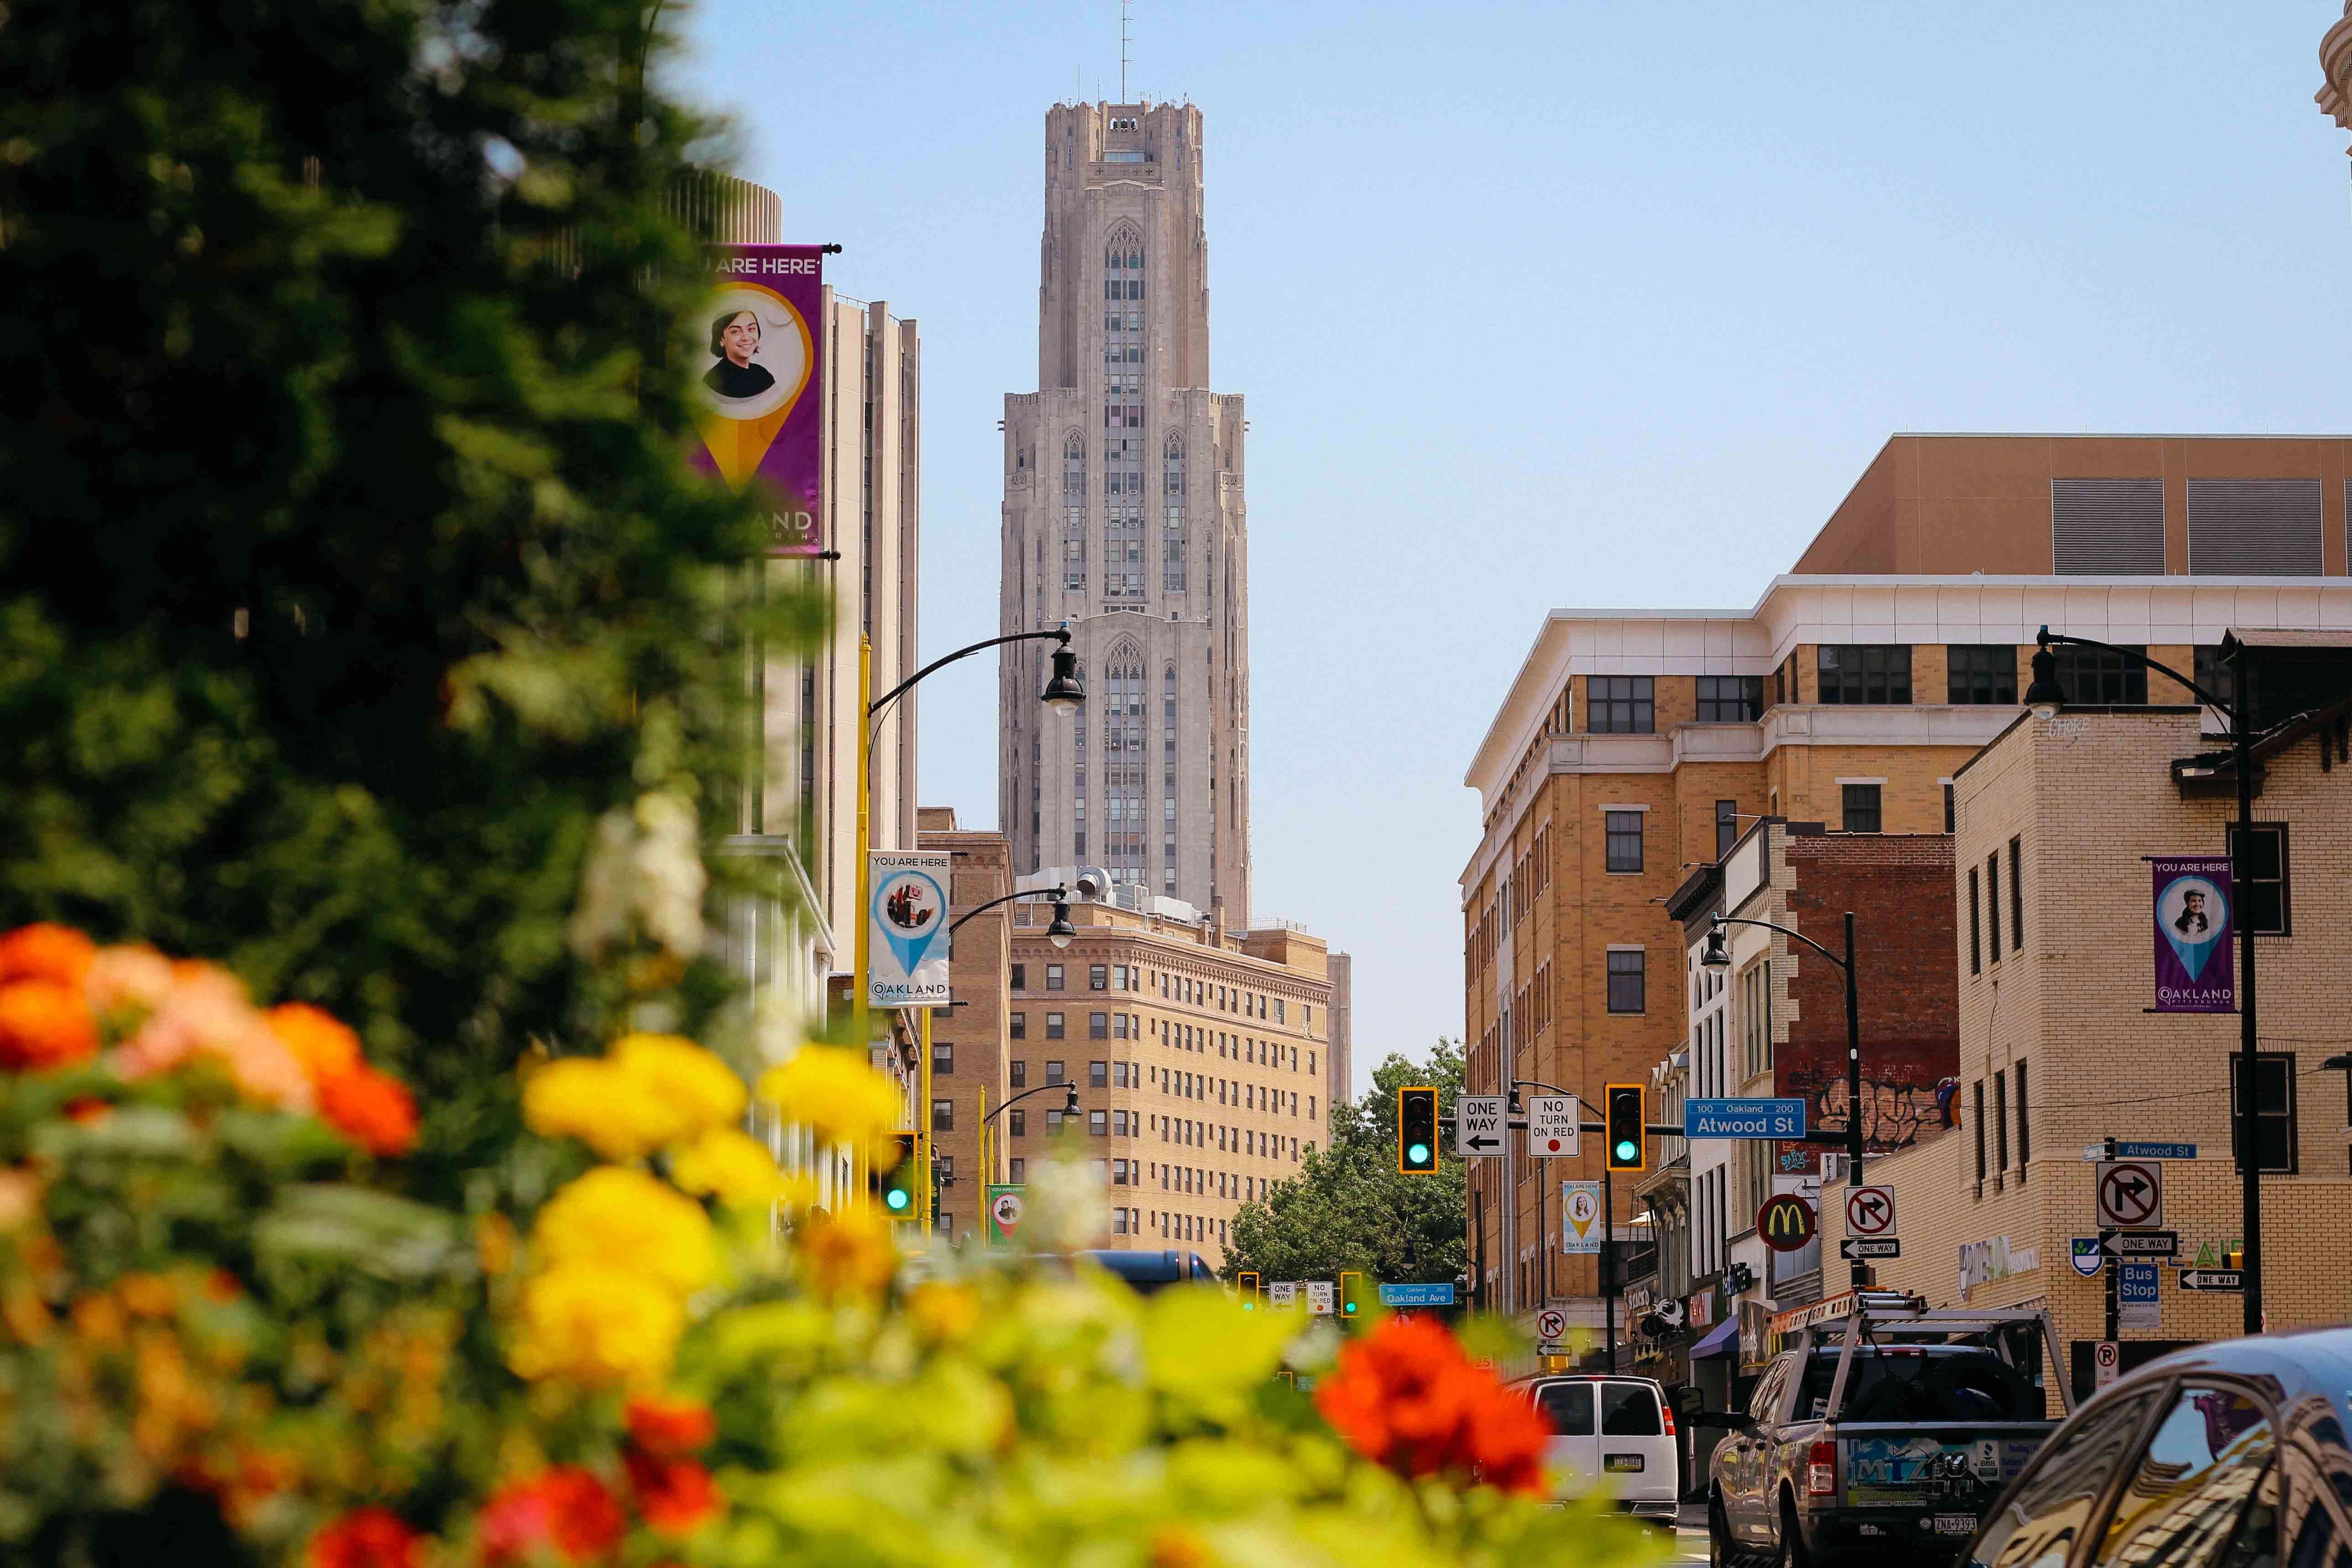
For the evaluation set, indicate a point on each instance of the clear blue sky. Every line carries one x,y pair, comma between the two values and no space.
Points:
1595,305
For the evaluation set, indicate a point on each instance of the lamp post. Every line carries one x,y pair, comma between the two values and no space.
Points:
2045,697
1716,954
1069,1108
1064,693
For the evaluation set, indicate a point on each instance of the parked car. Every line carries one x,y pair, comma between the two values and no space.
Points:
2231,1455
1148,1272
1882,1435
1611,1432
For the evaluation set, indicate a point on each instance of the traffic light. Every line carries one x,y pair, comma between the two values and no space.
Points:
1251,1290
1352,1294
1627,1118
1417,1131
892,1185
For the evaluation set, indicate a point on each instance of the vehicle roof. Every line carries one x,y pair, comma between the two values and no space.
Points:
2301,1362
1534,1377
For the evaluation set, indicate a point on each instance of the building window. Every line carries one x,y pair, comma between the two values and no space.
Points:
1021,977
1098,977
1627,981
2274,1136
942,1059
2024,1126
2093,677
1621,704
1622,840
1017,1168
1876,674
2215,674
1951,812
1053,1029
2017,915
944,1116
1073,515
1992,905
1861,807
1975,927
2000,1122
1018,1027
1017,1074
1726,827
1020,1119
2261,872
1098,1123
1980,1133
1730,698
1174,546
1053,977
1983,674
1055,1073
1098,1074
1098,1025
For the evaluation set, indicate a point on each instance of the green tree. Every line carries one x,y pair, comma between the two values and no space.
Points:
350,570
1349,1207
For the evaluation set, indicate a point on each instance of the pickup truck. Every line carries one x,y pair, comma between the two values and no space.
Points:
1883,1433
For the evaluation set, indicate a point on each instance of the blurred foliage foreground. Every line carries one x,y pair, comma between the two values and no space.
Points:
225,1338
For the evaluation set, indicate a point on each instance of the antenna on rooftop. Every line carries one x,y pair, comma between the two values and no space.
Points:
1123,20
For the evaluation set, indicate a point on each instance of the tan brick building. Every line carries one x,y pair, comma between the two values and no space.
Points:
1635,746
968,1064
1201,1057
2058,1049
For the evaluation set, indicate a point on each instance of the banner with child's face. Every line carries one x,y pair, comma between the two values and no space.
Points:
757,407
2195,970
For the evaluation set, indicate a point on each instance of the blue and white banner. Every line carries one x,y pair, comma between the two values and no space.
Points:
907,930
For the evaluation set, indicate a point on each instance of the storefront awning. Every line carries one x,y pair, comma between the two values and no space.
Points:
1721,1339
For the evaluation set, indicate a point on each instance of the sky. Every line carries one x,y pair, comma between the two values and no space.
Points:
1592,305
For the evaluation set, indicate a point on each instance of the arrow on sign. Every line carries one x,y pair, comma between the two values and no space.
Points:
1483,1141
2213,1280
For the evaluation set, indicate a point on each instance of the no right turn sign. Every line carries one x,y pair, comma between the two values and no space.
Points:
2131,1193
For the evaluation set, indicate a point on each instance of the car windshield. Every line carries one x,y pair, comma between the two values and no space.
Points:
1919,1382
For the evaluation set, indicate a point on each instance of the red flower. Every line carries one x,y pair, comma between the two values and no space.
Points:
675,1495
45,951
670,1428
367,1538
44,1024
566,1508
1406,1397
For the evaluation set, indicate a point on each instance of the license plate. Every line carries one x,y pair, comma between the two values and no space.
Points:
1956,1524
1633,1462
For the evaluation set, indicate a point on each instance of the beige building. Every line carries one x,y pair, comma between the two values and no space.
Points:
1635,746
968,1062
1123,518
2059,1048
1199,1056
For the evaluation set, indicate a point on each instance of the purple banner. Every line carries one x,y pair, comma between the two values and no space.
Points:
759,411
2195,970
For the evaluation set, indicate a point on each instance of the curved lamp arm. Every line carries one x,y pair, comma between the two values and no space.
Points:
1070,1089
1722,921
2046,636
874,708
1058,894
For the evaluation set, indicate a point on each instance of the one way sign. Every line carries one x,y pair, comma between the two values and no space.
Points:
1478,1126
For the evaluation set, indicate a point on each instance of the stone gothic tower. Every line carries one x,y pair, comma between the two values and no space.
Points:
1124,517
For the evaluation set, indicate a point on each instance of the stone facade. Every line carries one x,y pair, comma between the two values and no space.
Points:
1200,1056
1124,519
2086,797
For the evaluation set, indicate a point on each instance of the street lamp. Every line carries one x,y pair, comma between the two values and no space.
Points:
1716,954
1067,690
1060,930
2045,697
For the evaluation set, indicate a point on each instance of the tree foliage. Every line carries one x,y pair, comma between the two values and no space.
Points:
1349,1207
350,570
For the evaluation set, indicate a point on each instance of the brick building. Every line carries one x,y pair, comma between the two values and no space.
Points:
1634,746
2053,952
1201,1057
968,1063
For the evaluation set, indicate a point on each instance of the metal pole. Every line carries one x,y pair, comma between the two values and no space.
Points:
857,979
1478,1268
1609,1261
2249,1032
1859,1275
2114,1298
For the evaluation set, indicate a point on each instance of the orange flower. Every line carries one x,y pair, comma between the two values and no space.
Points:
566,1508
323,1043
42,1024
367,1538
670,1428
127,980
45,951
675,1495
1406,1397
373,1109
88,1111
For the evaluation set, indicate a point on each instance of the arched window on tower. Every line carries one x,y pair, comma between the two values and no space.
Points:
1079,775
1174,543
1074,514
1168,781
1123,450
1123,765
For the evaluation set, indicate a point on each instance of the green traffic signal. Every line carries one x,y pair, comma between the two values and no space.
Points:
1626,1150
897,1198
895,1186
1418,1154
1626,1113
1417,1131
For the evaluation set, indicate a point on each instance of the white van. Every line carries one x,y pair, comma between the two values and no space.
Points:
1614,1433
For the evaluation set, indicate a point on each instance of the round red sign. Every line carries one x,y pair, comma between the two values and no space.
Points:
1786,1223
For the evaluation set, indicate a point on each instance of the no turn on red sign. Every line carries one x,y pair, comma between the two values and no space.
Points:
1870,1212
1551,1325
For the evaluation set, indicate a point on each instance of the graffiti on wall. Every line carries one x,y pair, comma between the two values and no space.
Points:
1897,1109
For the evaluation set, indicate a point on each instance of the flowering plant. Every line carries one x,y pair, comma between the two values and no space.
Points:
220,1326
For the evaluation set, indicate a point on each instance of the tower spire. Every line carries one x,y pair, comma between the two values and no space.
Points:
1123,19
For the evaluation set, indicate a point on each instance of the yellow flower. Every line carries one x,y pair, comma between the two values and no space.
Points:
838,1094
621,1219
698,1089
944,1314
596,1325
849,1254
729,1165
653,1090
